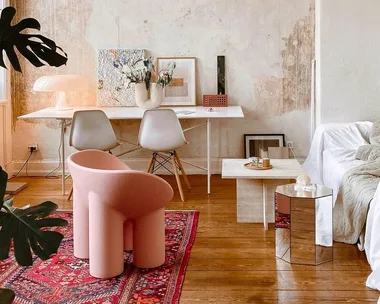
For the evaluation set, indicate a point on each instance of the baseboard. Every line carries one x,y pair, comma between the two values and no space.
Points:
44,167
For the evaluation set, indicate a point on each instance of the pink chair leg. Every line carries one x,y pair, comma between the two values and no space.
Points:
80,226
106,240
149,240
128,236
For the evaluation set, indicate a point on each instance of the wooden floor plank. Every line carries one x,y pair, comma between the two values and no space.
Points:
235,263
278,297
270,264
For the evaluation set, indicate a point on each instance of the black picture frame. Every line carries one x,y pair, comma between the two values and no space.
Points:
261,137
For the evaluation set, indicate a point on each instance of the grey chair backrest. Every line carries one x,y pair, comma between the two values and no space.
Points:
92,130
161,131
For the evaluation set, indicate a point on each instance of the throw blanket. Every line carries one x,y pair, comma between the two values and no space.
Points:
350,212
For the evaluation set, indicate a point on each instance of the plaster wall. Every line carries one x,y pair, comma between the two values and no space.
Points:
347,53
268,47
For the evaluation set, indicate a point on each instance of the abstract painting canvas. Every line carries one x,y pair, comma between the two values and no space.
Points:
181,91
112,89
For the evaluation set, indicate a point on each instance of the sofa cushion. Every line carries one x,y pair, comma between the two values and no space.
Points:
364,151
375,133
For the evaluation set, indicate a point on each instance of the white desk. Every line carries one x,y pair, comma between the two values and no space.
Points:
122,113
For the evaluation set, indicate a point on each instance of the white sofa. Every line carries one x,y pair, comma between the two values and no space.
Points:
333,150
332,154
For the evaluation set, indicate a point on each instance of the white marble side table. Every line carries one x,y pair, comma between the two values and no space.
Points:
255,188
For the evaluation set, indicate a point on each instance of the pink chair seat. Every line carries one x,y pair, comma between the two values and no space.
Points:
117,209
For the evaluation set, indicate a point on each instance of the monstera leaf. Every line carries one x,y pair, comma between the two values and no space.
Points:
6,296
23,226
3,185
34,47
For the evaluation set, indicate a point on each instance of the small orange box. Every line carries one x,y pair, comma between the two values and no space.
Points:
217,100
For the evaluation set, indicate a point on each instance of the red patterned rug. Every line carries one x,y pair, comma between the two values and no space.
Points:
65,279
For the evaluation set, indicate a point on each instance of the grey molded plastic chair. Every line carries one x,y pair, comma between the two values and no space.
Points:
161,131
92,130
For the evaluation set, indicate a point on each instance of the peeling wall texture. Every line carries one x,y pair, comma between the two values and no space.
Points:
268,47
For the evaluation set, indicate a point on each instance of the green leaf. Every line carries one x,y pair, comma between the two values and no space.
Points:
37,49
6,296
23,226
50,222
3,185
41,210
21,246
6,235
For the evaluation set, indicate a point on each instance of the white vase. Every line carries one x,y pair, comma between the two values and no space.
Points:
142,96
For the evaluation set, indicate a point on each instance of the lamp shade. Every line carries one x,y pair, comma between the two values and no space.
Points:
61,83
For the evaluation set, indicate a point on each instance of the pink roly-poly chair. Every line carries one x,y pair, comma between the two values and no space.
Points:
117,209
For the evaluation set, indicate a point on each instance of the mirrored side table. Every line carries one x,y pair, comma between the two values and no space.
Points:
304,225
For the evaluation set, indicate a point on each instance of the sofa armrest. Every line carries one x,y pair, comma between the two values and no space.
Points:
348,136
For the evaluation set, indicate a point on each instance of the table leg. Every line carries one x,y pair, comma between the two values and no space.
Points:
265,220
208,156
63,125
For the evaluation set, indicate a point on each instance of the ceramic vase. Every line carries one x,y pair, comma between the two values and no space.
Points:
142,95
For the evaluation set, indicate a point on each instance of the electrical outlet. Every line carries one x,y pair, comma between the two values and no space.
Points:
290,144
33,148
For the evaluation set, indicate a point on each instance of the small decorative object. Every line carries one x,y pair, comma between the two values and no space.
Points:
113,66
142,96
256,163
303,184
221,70
141,75
250,166
215,100
258,144
182,89
266,162
38,49
220,99
303,180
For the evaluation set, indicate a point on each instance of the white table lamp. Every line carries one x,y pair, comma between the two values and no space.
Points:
61,84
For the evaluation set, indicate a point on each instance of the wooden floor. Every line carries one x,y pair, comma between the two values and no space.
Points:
235,263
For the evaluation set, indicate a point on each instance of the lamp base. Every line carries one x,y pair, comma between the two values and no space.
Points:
62,103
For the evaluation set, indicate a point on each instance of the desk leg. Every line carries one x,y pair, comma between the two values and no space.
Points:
63,124
265,220
208,156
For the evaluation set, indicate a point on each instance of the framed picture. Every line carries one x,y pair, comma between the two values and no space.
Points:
257,145
182,90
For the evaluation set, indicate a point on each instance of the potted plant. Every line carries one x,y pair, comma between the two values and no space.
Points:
141,73
25,229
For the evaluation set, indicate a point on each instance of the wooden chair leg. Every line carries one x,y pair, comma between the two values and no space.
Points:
151,165
182,170
70,195
177,178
